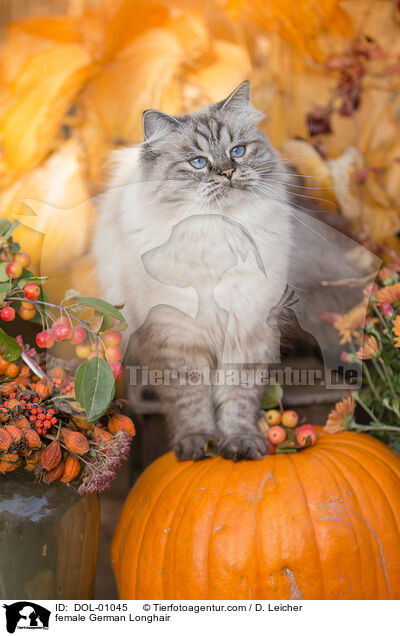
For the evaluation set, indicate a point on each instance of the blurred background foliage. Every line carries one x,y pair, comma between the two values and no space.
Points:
75,77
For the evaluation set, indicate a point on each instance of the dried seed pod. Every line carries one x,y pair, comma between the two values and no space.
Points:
101,435
5,414
12,370
57,372
22,380
22,422
25,371
54,474
51,455
7,388
5,439
32,439
3,365
71,469
13,403
15,432
9,462
81,422
121,423
32,461
44,388
75,442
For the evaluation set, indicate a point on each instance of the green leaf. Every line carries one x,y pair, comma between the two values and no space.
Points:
5,224
71,294
107,310
13,350
272,396
94,387
3,276
38,280
13,226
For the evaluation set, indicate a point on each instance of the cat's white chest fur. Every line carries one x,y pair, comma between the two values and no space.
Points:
225,270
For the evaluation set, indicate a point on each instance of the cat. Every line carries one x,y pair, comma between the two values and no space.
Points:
194,235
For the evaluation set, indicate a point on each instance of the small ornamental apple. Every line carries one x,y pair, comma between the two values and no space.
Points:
23,259
62,329
306,435
78,336
26,313
14,269
83,350
117,370
273,417
276,434
31,291
113,354
7,313
112,338
290,419
45,339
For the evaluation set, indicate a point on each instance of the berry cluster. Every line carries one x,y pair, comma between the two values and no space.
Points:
283,433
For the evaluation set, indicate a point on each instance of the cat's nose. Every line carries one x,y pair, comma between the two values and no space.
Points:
227,173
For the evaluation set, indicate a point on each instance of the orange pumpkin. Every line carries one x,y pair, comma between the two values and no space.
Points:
323,523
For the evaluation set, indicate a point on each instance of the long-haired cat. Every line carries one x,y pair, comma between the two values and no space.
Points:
194,236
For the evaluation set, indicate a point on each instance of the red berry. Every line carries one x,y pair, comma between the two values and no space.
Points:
14,269
45,339
29,405
48,416
78,336
53,420
23,402
276,434
51,411
117,369
41,416
7,313
32,418
40,409
31,291
34,411
13,395
35,399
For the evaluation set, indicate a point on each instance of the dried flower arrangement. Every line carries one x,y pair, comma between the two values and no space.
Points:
59,418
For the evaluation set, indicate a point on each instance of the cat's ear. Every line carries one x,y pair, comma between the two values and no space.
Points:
239,97
156,124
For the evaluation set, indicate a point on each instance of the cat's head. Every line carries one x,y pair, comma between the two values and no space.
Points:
214,157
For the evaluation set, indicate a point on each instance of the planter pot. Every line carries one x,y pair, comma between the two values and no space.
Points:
48,540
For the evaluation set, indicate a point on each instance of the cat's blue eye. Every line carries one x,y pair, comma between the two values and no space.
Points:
237,151
198,162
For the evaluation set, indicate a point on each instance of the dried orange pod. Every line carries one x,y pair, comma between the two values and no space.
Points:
54,474
101,435
7,388
22,423
32,439
75,442
22,380
81,422
25,371
12,404
32,461
5,414
12,370
9,462
51,455
14,432
71,469
44,388
121,423
5,439
3,365
57,372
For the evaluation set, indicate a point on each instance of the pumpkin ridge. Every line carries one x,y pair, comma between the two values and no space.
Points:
365,521
201,465
258,515
303,489
370,450
144,525
328,458
388,499
130,512
229,475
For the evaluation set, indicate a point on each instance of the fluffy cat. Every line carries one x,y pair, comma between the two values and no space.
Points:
194,236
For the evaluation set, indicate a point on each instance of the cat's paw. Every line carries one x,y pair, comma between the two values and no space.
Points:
191,447
243,446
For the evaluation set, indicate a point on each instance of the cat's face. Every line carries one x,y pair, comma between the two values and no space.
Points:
215,157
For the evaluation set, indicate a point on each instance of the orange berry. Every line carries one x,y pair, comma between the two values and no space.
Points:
113,354
14,269
26,314
276,434
112,338
23,259
12,370
83,350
